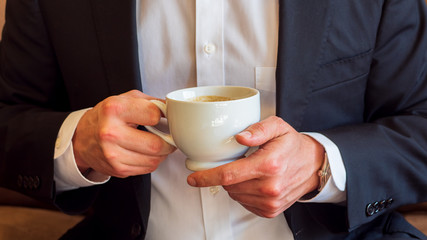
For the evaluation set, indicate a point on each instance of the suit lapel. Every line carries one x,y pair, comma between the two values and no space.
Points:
115,23
302,33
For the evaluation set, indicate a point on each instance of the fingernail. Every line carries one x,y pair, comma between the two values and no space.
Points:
191,181
245,134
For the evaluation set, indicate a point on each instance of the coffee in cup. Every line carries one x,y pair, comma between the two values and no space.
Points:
212,98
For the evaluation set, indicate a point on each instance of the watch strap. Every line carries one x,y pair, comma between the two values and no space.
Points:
324,173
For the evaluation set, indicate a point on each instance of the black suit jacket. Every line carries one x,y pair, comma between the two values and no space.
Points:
354,71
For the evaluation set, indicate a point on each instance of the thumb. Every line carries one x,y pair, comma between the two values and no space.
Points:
262,132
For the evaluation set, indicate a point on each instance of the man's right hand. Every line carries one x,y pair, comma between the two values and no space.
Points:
107,139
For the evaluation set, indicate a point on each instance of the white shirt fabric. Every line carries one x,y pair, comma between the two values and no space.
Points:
196,43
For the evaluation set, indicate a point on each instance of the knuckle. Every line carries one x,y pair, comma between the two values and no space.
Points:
260,127
134,92
154,163
119,170
272,191
279,126
227,177
155,147
272,207
151,168
153,114
107,134
277,119
272,167
110,156
269,214
119,175
112,106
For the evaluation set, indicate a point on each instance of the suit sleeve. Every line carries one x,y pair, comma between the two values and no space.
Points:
33,105
385,157
32,100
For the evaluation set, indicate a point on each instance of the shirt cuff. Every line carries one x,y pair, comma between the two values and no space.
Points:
334,190
67,176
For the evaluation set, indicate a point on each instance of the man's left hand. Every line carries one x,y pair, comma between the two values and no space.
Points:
270,180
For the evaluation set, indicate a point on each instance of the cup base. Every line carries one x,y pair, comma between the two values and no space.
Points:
200,166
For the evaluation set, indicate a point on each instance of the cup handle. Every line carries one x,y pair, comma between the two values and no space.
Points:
167,137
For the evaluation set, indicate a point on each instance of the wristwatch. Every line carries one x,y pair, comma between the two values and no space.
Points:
324,173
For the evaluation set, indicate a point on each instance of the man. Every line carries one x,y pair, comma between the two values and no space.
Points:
351,87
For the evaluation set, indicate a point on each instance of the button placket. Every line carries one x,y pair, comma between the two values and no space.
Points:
209,42
215,205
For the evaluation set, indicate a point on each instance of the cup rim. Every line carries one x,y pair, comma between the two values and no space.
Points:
251,92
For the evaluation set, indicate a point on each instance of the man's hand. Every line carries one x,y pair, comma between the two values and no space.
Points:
107,139
280,172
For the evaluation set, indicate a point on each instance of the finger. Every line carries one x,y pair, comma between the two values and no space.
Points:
263,131
262,213
136,140
136,94
235,172
147,143
271,187
253,210
139,94
121,162
264,191
262,206
131,110
127,171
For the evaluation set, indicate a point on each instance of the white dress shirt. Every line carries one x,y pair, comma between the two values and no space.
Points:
186,43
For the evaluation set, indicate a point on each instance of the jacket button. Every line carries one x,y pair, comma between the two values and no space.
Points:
377,207
382,205
25,182
30,182
136,230
19,181
36,183
389,202
370,209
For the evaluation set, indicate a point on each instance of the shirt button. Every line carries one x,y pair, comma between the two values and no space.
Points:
209,48
214,190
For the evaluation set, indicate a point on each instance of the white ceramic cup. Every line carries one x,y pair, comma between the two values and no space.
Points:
204,131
